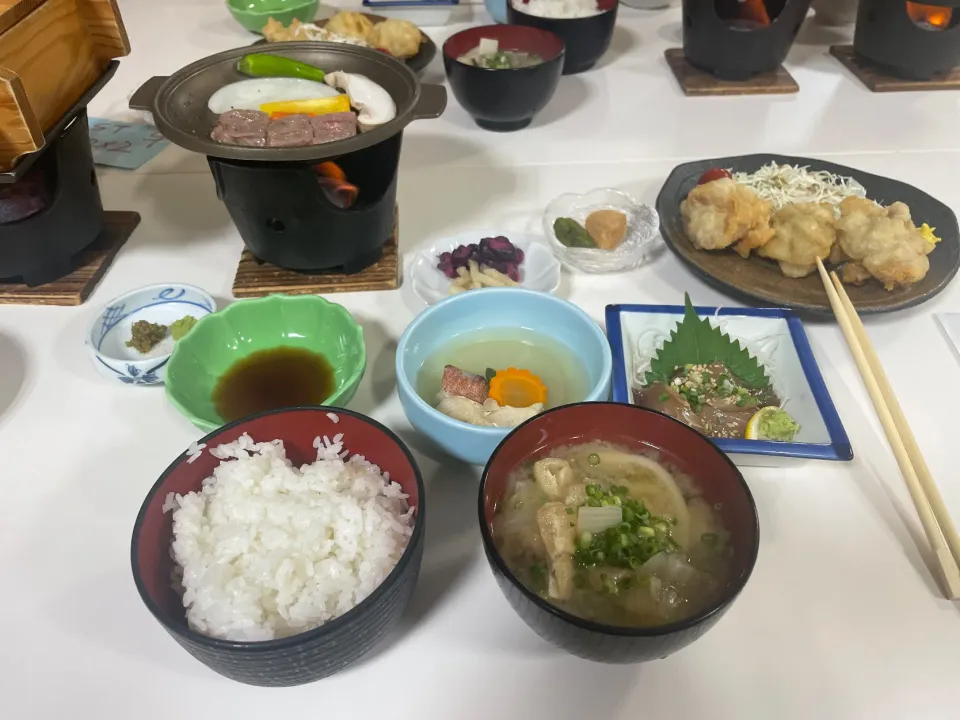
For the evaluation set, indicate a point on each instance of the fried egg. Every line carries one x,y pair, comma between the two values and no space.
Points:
251,94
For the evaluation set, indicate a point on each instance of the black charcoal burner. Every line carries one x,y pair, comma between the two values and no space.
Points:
912,41
719,40
50,214
288,219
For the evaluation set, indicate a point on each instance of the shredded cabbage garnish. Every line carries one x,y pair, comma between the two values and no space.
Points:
787,184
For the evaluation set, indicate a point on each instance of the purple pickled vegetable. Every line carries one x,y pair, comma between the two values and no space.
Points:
464,253
494,252
445,265
499,247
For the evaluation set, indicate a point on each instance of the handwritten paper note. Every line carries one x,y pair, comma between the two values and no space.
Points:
124,144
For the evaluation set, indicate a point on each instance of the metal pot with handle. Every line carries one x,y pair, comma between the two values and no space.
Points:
179,102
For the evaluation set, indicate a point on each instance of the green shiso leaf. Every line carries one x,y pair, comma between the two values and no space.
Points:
696,342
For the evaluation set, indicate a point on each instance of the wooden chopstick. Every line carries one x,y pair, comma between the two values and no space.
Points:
934,517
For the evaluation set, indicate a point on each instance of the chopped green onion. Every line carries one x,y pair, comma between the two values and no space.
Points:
646,531
593,459
570,511
664,397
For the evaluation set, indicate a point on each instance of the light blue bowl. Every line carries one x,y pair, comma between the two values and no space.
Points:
482,310
110,330
497,10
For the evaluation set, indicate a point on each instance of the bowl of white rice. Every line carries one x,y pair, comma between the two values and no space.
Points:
585,26
281,548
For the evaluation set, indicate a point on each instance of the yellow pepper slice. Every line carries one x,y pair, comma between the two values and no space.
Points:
314,106
928,234
517,388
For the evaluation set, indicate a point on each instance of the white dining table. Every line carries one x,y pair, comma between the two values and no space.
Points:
842,618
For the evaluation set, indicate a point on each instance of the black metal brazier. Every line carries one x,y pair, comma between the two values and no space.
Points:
286,219
53,212
912,48
734,50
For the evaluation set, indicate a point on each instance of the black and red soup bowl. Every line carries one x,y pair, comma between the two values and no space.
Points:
627,426
504,100
586,39
316,653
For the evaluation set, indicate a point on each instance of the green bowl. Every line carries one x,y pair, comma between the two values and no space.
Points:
220,339
253,14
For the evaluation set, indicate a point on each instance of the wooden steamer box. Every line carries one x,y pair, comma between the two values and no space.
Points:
51,53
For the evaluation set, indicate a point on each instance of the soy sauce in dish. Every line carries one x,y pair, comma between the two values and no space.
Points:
271,379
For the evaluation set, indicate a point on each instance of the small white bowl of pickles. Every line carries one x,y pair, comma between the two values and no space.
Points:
132,338
601,231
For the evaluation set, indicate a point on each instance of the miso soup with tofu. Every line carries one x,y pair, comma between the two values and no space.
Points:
613,535
488,54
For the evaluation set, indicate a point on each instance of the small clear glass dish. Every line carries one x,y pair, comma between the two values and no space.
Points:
643,227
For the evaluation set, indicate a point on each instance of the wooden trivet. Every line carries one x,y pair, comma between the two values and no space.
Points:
75,288
878,79
695,82
256,278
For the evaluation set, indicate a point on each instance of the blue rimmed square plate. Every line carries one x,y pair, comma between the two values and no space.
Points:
776,338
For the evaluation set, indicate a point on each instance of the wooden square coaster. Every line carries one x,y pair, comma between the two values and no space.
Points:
877,78
75,288
256,278
695,82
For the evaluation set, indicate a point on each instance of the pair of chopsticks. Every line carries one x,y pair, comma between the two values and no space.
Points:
934,516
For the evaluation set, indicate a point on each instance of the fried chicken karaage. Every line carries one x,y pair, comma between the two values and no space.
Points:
884,241
802,233
722,213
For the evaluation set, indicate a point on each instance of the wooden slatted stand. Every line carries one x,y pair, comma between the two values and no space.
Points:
256,278
75,288
695,82
878,80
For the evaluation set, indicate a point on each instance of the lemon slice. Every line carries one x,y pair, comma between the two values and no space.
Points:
754,430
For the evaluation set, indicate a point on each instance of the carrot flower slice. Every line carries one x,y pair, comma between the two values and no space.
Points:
517,388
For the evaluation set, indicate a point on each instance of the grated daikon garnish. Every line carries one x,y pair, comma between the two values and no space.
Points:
786,184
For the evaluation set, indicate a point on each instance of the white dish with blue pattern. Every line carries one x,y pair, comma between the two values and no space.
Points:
776,338
163,304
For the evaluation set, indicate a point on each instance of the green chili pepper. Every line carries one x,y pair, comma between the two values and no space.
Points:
264,65
572,234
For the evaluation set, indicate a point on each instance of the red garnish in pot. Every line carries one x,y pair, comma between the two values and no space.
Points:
714,174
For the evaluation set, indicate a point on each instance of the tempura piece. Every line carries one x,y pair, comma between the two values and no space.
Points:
297,31
854,273
804,232
351,24
400,38
884,241
722,213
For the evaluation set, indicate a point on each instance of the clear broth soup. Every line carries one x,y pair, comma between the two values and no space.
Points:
553,362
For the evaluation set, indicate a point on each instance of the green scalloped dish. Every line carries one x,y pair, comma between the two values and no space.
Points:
219,340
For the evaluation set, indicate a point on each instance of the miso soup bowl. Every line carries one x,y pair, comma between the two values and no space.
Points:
633,427
504,100
484,310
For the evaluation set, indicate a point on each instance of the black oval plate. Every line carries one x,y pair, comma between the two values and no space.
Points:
760,280
418,63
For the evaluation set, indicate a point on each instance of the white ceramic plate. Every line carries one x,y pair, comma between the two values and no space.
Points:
539,271
776,338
